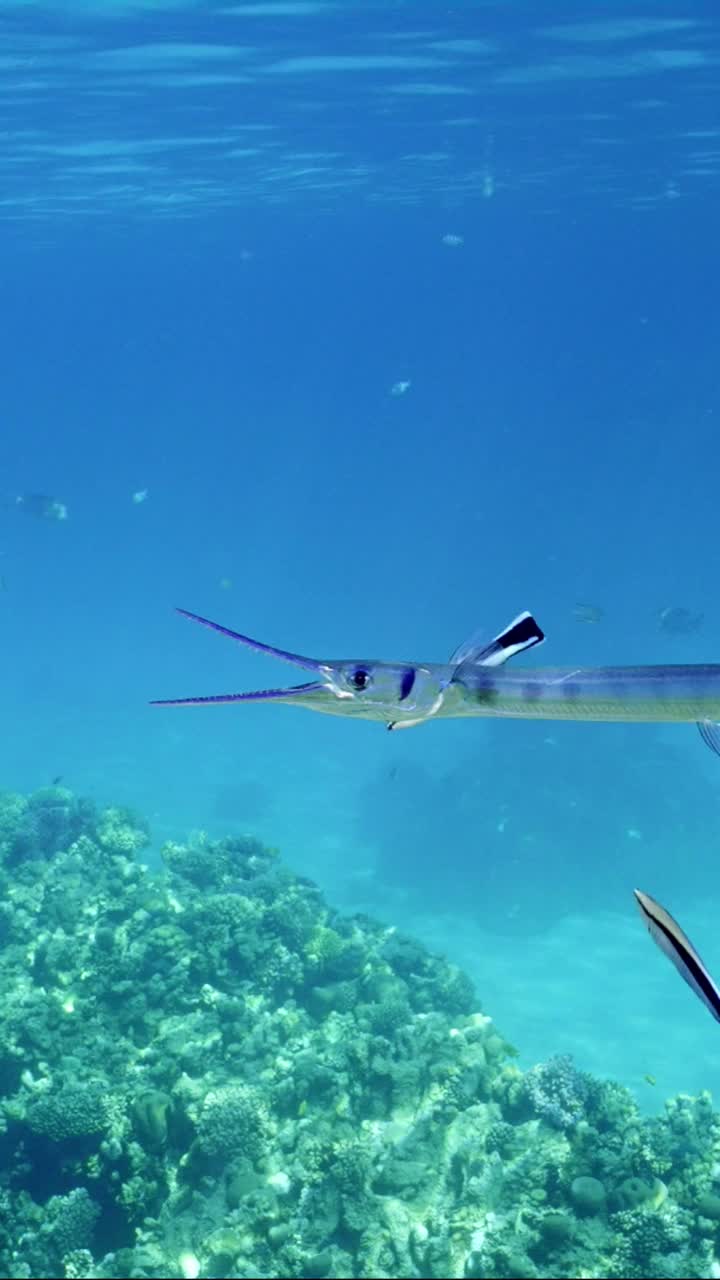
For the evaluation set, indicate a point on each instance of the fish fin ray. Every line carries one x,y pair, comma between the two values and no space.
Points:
709,731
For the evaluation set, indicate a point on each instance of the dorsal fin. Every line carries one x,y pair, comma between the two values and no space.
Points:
522,633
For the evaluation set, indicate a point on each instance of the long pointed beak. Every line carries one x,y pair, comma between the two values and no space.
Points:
294,693
297,659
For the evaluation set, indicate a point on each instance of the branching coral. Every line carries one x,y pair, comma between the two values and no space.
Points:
557,1092
75,1111
233,1121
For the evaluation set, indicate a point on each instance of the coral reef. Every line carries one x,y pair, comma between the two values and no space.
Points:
557,1091
206,1072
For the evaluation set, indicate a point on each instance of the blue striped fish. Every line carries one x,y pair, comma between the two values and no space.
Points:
676,945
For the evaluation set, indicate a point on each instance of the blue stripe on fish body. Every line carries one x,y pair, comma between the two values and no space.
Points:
484,689
407,683
532,691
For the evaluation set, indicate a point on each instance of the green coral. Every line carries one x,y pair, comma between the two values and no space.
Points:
233,1121
324,949
633,1193
219,864
78,1264
70,1221
37,827
119,832
646,1242
205,1069
588,1195
75,1111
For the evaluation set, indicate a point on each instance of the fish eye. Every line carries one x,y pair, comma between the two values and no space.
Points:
360,678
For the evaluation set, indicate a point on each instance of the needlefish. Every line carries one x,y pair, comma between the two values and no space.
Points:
404,694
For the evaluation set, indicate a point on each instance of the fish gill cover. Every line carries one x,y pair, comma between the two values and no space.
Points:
205,1071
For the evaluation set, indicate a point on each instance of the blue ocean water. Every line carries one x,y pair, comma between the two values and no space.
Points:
355,327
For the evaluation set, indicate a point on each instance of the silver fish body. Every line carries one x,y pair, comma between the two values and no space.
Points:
404,694
660,694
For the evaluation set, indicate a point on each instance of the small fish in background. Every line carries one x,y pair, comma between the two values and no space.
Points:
591,613
452,241
668,935
225,584
400,388
140,495
649,1079
680,622
41,506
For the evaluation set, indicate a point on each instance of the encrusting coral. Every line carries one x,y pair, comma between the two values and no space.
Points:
205,1071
